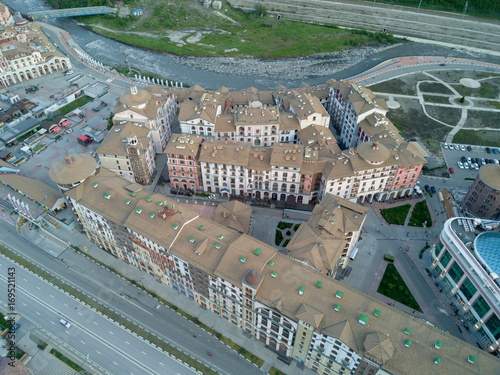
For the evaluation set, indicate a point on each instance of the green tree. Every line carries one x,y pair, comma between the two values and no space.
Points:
260,10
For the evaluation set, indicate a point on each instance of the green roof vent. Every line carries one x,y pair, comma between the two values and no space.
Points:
301,290
133,193
127,202
148,199
339,294
201,227
221,236
407,331
152,215
271,262
437,360
319,284
257,251
274,274
192,240
471,359
407,343
95,185
377,313
217,245
243,259
176,226
107,195
138,210
168,206
438,344
363,319
160,203
337,307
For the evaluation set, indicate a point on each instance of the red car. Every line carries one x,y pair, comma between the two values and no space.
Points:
451,170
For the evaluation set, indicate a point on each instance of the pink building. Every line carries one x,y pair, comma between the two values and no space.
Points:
183,166
5,16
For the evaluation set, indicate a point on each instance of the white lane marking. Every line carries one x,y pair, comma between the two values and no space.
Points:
127,342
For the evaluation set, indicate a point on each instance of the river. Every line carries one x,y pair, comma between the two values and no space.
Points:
237,73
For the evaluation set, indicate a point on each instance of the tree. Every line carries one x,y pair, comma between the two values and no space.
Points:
260,10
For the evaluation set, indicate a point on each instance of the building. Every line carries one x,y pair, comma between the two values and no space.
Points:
348,105
26,52
329,236
287,305
466,262
128,150
154,110
483,198
183,152
234,215
5,16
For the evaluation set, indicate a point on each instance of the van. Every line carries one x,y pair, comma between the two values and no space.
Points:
65,323
354,253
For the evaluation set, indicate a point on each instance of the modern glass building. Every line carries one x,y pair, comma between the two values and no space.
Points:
466,260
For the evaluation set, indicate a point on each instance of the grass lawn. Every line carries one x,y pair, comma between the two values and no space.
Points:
286,243
278,238
284,225
477,137
77,103
70,363
296,227
393,286
396,215
420,215
275,371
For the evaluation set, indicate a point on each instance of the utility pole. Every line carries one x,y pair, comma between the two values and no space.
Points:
419,5
465,9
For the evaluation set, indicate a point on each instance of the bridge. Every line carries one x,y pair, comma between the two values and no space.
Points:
72,12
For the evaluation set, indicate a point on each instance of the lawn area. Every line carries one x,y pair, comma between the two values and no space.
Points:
420,216
396,215
278,238
284,225
477,137
393,286
69,362
249,35
275,371
77,103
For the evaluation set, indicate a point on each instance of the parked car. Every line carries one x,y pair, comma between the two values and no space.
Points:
457,147
427,188
476,167
462,147
14,328
466,165
491,161
488,150
469,148
483,162
495,151
433,190
445,145
463,159
469,160
472,166
460,165
451,170
496,161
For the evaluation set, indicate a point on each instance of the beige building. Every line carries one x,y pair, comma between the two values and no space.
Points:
27,53
128,150
483,198
286,304
153,109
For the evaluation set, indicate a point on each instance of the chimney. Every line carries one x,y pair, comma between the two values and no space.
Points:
224,214
233,217
69,159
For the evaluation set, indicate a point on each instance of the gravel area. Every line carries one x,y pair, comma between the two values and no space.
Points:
291,68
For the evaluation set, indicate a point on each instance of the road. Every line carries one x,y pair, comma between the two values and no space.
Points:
444,27
108,346
132,303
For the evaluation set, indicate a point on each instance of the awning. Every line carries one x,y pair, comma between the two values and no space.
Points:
82,137
57,129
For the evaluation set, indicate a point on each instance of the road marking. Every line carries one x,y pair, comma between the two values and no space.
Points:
83,342
161,363
52,323
65,304
24,304
111,332
38,287
143,352
25,280
98,352
115,363
51,295
80,313
37,313
127,342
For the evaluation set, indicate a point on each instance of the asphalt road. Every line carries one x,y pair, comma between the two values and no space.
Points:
110,347
131,303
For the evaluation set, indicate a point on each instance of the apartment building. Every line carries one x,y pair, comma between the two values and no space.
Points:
26,52
348,105
305,172
183,152
154,110
286,304
483,198
128,150
306,107
465,261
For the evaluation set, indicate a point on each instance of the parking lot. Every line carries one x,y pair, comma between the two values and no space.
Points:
454,156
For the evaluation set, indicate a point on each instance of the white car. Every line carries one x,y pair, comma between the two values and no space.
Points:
445,145
496,161
457,147
65,323
460,165
476,167
462,147
466,165
469,160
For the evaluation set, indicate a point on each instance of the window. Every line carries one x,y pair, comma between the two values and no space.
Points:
493,325
481,307
468,289
446,258
456,272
